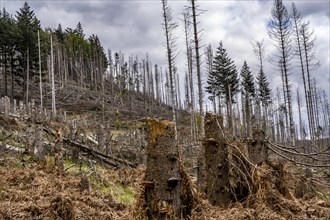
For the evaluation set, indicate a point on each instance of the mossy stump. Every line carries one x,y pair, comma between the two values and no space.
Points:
162,181
216,162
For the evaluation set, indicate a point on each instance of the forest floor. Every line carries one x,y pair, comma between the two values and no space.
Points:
33,188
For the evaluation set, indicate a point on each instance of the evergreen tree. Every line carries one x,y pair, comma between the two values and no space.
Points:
248,93
225,74
223,80
247,81
28,26
212,85
8,39
263,88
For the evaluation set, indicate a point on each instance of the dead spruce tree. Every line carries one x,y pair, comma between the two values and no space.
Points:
280,31
194,10
169,26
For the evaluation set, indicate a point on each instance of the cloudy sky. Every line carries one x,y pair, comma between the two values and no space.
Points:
134,27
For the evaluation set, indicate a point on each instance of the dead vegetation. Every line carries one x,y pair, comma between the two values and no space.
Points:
32,188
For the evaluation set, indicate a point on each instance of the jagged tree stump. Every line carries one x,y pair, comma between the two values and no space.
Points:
30,138
216,162
39,142
162,181
257,148
101,138
58,151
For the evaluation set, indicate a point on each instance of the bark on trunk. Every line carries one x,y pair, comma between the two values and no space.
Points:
217,167
162,182
258,149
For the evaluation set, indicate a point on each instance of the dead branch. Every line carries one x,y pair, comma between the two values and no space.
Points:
296,162
295,152
103,157
13,148
310,155
72,165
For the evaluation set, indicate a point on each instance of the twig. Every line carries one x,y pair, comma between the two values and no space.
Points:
247,160
72,165
8,136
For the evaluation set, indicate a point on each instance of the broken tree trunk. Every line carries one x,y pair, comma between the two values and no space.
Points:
162,181
216,162
258,149
30,138
39,142
58,150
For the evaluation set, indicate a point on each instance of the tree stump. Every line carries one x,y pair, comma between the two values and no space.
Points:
258,149
216,162
30,137
84,184
101,138
58,151
162,181
15,107
39,142
7,106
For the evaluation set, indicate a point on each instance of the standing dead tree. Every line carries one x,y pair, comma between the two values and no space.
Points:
280,31
169,26
198,63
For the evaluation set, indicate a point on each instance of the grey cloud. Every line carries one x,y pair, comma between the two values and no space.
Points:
134,27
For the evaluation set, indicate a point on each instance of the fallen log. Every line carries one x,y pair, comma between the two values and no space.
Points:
12,148
94,152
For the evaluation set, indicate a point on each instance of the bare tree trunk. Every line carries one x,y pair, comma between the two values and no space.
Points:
285,100
169,27
157,83
52,76
297,25
27,75
301,128
198,68
191,97
40,76
5,74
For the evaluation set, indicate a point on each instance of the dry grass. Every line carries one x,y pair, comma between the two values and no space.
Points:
32,189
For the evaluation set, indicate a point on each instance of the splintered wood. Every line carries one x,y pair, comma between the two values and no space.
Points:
162,182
